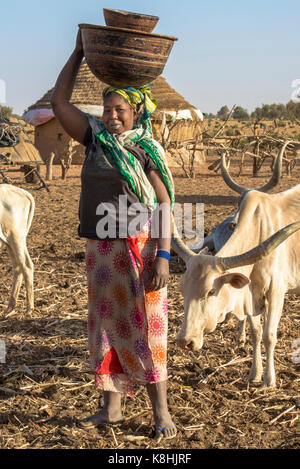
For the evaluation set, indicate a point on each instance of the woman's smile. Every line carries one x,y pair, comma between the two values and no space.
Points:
115,125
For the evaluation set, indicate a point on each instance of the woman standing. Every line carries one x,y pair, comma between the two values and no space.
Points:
127,274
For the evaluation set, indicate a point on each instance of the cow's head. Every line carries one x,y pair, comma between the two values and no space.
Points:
209,287
209,293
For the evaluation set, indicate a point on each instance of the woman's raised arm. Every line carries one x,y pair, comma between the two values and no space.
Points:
73,121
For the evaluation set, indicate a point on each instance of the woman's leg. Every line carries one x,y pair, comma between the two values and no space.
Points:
111,409
158,396
110,413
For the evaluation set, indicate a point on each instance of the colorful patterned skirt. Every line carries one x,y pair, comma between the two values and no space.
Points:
127,328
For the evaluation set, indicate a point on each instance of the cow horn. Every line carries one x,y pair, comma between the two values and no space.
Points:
228,179
277,171
274,180
260,251
178,245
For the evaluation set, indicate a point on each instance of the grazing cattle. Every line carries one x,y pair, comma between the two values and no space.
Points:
16,213
248,273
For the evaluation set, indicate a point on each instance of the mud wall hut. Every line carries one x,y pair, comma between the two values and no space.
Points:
87,96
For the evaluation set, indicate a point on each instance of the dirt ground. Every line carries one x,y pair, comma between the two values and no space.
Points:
46,384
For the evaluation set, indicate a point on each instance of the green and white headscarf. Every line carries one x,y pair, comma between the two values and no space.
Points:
141,134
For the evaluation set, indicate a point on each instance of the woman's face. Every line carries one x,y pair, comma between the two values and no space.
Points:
118,115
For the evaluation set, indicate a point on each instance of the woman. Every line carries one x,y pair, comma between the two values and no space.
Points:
127,276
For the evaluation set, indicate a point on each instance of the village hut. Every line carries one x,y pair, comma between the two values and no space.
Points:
87,96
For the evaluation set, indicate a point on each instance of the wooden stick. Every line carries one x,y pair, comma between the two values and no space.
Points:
282,413
114,436
134,437
225,122
8,391
132,417
42,181
234,361
5,179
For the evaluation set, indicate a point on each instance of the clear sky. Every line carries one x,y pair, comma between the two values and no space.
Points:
243,52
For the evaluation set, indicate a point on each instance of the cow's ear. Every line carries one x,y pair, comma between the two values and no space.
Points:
236,280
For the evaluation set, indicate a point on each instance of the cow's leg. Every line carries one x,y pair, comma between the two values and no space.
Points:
256,334
272,319
241,335
26,266
30,291
243,311
17,281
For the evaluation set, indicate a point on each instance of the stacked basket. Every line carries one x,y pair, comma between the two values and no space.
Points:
125,52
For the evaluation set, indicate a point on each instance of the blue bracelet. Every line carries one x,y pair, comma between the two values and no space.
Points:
164,254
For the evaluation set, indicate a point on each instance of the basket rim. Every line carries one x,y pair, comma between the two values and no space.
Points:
125,30
131,13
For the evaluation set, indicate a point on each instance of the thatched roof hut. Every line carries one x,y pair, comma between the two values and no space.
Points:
49,135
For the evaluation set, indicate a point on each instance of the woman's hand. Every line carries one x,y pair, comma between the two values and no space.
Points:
159,275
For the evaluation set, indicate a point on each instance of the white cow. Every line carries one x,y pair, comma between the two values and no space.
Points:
16,213
211,284
222,232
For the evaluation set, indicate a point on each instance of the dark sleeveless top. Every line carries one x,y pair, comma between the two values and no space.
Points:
102,183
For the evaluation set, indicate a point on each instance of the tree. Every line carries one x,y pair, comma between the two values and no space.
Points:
277,111
240,113
209,116
293,110
6,111
257,114
223,112
270,112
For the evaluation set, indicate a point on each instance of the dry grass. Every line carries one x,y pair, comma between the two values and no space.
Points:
46,383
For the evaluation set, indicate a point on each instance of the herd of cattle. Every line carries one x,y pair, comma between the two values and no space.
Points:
245,266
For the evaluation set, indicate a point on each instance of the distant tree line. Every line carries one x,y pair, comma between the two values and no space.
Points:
290,111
